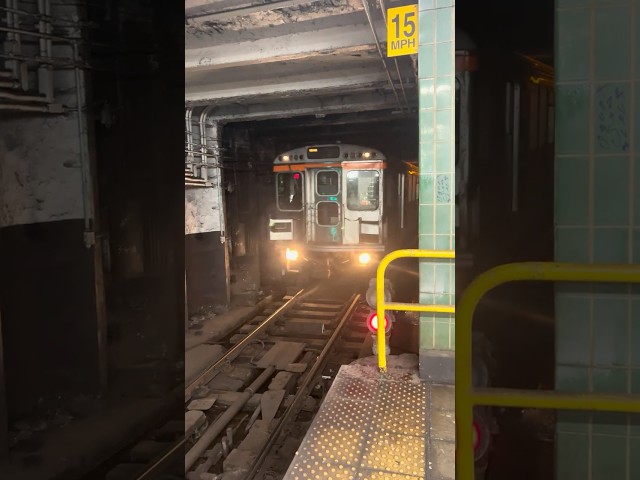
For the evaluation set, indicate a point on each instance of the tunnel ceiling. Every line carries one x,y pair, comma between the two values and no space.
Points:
255,59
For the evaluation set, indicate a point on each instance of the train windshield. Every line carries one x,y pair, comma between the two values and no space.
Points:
363,189
289,186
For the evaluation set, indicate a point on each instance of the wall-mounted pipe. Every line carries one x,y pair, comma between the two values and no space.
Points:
87,185
23,98
24,108
189,134
384,63
204,171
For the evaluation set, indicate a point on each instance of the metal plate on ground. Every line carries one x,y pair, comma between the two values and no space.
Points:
281,355
202,404
367,427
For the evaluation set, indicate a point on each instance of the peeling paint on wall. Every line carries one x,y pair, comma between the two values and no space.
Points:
301,13
201,211
40,176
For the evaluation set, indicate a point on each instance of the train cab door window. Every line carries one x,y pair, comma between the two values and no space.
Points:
328,214
290,191
363,190
327,182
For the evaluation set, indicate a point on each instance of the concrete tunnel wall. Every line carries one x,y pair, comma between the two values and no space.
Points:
49,323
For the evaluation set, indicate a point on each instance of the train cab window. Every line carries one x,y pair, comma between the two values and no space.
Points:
327,182
363,189
328,214
290,189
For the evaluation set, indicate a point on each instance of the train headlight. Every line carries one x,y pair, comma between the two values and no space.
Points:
364,258
366,154
285,158
292,255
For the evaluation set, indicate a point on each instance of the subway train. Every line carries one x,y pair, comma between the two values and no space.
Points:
337,207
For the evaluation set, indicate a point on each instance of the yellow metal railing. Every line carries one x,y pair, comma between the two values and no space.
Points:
467,396
381,306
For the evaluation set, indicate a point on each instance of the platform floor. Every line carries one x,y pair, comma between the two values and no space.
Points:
379,427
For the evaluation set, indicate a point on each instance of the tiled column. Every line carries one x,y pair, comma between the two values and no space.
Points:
597,215
436,60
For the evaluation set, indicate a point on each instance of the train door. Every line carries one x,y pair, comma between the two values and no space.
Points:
325,218
363,205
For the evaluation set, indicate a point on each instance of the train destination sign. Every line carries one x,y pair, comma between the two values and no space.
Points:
402,31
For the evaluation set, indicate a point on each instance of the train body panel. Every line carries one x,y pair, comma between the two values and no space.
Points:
334,204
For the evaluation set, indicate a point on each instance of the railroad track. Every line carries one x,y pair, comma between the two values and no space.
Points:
241,409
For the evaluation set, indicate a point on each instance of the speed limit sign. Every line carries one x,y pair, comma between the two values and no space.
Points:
402,31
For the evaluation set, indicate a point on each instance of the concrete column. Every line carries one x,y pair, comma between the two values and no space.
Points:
597,217
436,72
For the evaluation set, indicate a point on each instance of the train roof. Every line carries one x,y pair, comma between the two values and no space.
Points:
328,153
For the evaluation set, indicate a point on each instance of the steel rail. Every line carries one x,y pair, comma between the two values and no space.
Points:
208,375
303,389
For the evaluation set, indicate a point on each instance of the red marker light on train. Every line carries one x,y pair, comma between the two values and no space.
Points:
372,323
296,176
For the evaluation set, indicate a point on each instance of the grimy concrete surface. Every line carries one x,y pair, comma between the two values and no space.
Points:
199,358
85,443
217,326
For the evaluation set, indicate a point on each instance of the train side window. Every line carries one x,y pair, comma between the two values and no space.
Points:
328,214
363,189
327,182
289,190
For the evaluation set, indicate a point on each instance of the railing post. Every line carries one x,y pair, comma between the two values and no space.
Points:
382,307
467,396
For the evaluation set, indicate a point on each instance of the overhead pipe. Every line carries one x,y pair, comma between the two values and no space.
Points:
205,165
25,108
49,50
45,84
24,98
384,64
87,186
25,13
395,60
204,172
61,62
189,133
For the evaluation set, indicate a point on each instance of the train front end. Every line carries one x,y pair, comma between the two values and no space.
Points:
328,214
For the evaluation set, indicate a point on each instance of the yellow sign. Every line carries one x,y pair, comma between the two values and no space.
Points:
402,31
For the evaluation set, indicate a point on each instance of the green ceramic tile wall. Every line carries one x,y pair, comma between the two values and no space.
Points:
597,215
436,60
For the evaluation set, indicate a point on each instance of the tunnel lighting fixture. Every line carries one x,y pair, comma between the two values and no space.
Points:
364,258
292,255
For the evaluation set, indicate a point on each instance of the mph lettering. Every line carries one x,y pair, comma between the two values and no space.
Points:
404,43
402,31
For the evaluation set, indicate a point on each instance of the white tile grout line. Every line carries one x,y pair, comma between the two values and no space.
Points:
590,213
631,115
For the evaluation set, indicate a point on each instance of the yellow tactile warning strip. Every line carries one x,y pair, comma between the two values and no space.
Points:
368,427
